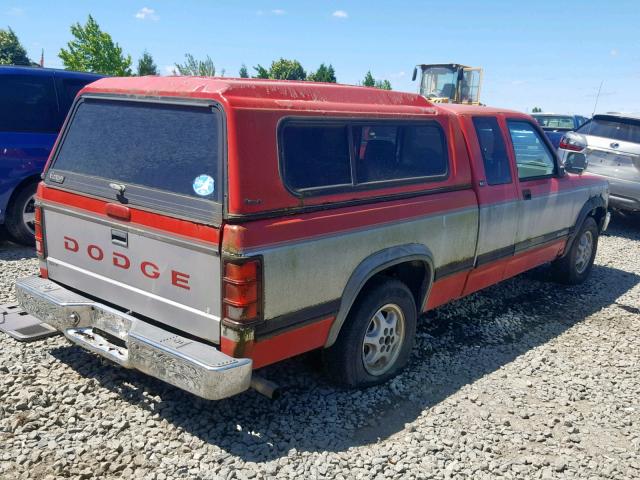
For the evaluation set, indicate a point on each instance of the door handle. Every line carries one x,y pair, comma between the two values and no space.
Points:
526,194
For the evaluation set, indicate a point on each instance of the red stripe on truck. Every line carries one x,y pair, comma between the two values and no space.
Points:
279,347
143,218
270,232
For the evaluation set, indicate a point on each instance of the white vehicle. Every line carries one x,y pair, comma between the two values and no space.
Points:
609,146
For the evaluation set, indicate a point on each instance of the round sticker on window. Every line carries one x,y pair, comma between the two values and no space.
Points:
203,185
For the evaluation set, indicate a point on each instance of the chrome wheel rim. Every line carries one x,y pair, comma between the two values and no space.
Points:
585,249
29,214
383,339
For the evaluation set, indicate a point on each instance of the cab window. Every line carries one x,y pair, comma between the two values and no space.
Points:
494,152
533,157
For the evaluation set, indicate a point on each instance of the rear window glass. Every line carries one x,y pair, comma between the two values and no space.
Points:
172,148
624,130
554,121
319,156
28,104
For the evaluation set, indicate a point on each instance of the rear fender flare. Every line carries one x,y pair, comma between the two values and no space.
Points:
373,264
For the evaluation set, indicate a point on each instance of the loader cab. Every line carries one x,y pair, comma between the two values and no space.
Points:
449,83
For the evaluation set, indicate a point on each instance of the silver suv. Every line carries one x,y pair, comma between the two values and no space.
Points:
609,146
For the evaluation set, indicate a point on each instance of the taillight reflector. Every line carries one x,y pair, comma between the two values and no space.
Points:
37,223
242,291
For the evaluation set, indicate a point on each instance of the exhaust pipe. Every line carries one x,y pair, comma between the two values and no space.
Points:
265,387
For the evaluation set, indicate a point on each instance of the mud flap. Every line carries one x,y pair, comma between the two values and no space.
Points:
18,324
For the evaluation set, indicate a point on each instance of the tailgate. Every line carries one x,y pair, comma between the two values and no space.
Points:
156,159
169,279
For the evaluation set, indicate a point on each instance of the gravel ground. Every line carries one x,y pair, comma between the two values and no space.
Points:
527,379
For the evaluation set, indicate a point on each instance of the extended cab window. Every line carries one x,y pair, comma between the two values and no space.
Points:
29,104
494,152
166,156
532,155
316,155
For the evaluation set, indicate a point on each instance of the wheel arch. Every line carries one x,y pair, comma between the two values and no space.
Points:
378,263
595,207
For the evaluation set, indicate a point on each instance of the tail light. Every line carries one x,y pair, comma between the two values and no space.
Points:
242,291
567,143
37,222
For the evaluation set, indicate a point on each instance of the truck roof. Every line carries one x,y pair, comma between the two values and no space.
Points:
282,94
262,93
458,109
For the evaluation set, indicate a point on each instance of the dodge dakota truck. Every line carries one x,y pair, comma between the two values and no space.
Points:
197,229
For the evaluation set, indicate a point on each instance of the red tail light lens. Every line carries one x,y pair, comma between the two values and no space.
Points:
242,291
570,144
37,222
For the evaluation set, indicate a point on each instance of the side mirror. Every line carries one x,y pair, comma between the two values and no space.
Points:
575,163
415,74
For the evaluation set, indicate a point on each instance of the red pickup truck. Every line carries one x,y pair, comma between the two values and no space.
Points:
197,229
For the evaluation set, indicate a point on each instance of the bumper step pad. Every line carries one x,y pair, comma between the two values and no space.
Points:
17,323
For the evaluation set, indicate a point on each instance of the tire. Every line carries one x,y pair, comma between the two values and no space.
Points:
575,266
18,221
351,360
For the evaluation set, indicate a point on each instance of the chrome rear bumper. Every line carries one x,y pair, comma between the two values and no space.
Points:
193,366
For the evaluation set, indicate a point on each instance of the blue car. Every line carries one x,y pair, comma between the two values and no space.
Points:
556,125
33,104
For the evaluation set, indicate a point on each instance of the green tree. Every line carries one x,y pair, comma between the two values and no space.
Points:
93,50
243,71
282,69
323,74
146,65
261,72
201,68
369,81
536,110
11,51
383,84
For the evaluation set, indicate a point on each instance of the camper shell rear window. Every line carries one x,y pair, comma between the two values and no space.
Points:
163,156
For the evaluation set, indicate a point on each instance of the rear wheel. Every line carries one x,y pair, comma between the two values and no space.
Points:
575,266
21,216
376,340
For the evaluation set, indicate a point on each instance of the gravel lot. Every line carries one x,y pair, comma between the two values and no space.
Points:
527,379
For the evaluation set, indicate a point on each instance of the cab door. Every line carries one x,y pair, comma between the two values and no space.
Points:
498,200
546,210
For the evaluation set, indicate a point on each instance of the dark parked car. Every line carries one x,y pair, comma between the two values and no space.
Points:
33,104
556,125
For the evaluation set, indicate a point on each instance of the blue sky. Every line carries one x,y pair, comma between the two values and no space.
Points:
551,54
